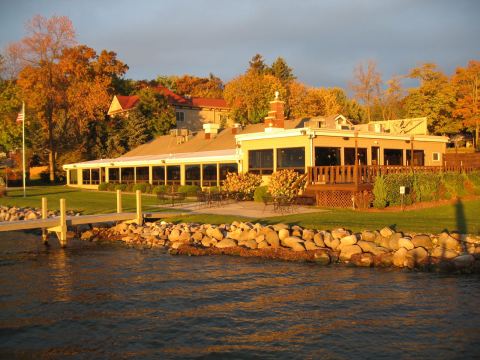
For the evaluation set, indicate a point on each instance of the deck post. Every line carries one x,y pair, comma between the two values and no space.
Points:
62,234
119,201
139,218
44,216
355,168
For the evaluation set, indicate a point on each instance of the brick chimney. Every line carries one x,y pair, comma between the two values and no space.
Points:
236,128
275,118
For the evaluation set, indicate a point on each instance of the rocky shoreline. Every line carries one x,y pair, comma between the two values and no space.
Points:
26,213
449,252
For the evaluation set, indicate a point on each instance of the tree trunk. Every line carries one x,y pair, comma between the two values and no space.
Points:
477,128
51,150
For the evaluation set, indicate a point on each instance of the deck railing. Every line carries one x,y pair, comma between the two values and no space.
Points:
366,174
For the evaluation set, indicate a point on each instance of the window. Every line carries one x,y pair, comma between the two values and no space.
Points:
95,176
73,176
260,161
192,175
173,175
158,175
142,174
180,116
327,156
113,175
291,158
127,175
86,176
393,157
227,168
436,156
209,175
349,156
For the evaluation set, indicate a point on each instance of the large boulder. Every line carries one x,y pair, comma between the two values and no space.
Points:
226,243
387,232
368,235
349,250
406,243
365,259
318,240
272,239
448,242
283,233
308,234
174,235
278,227
310,245
263,245
294,243
349,240
383,260
463,262
322,258
422,241
400,257
370,247
251,244
416,256
215,233
340,233
443,253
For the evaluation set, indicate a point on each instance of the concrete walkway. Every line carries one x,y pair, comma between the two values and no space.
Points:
241,208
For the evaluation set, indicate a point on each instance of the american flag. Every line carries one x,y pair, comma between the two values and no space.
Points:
20,117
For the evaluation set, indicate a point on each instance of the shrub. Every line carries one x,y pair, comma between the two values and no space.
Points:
121,187
243,184
2,182
454,184
392,186
426,186
474,178
259,193
286,183
142,187
380,193
111,186
189,190
103,187
214,189
159,189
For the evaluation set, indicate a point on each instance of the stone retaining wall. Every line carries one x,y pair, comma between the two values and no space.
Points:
384,248
25,213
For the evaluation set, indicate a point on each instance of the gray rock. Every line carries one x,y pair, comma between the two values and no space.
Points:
251,244
406,243
322,258
263,245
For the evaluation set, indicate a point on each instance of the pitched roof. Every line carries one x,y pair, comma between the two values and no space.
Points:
127,102
225,139
207,102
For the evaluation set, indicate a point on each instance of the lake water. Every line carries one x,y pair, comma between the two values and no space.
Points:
111,302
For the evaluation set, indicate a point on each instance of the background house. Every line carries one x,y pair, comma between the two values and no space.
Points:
190,112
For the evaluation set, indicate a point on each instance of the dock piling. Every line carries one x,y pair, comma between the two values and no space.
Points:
119,201
62,233
44,216
139,219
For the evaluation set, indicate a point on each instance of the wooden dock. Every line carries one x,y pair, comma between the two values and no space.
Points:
59,224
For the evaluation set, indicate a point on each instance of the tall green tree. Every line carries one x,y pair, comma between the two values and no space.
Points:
257,64
282,71
156,111
434,98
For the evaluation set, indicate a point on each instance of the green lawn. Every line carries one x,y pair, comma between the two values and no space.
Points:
463,216
84,201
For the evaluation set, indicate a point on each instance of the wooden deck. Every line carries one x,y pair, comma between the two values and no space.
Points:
350,185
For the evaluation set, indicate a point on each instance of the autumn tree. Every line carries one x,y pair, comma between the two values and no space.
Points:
467,85
249,95
366,85
389,101
40,78
434,98
282,71
211,87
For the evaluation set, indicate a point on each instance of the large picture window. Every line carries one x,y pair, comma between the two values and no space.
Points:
260,161
209,175
393,157
142,174
349,156
158,175
173,175
227,168
291,158
327,156
192,175
73,176
113,175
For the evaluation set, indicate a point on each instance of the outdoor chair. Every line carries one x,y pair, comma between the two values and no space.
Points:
268,200
202,198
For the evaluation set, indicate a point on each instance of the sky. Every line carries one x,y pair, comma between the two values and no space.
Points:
321,40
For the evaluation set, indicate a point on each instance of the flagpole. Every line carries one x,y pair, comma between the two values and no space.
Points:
23,152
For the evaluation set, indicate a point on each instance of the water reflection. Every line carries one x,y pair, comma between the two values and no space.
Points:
111,302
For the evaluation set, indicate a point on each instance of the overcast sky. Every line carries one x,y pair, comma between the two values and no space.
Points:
321,40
